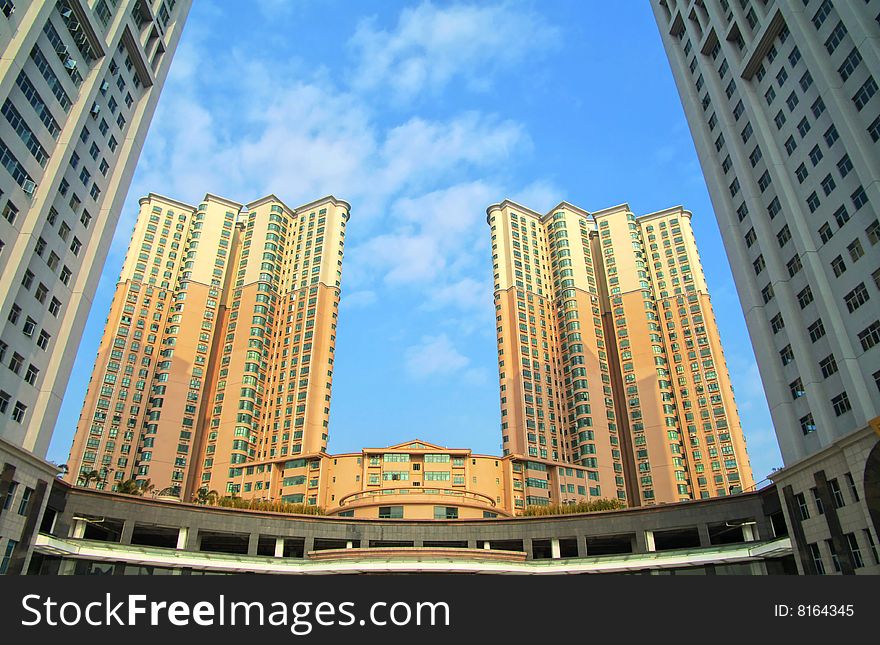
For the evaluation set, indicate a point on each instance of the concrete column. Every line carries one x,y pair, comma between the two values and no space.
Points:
487,545
649,541
555,551
279,547
182,534
67,568
349,544
193,542
582,546
309,545
79,529
749,532
253,543
472,544
703,530
127,531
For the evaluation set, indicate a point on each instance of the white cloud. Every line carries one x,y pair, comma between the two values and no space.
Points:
430,47
434,355
357,299
418,185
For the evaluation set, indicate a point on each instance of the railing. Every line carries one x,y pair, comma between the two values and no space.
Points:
448,492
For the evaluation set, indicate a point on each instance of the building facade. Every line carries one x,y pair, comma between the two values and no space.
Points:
218,348
781,101
99,532
609,354
79,83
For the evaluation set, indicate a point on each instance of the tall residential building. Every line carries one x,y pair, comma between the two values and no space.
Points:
79,82
609,355
219,345
781,101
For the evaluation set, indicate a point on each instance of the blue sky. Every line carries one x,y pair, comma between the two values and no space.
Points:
421,115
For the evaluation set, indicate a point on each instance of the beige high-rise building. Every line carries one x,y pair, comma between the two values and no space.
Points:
609,355
79,82
219,346
781,99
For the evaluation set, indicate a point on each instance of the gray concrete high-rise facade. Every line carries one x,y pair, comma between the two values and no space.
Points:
781,99
79,82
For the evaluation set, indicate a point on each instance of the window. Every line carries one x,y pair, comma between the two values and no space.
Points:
759,264
828,185
859,197
828,365
813,202
391,512
818,107
781,77
866,91
815,155
25,501
825,233
777,323
817,558
836,494
805,297
797,390
855,250
19,411
850,63
807,424
820,507
852,487
844,166
841,405
792,101
755,157
874,130
822,13
31,376
873,232
835,38
786,355
445,513
779,119
870,335
802,506
816,330
801,173
806,81
794,265
854,299
7,555
838,266
831,136
790,146
10,212
854,551
803,127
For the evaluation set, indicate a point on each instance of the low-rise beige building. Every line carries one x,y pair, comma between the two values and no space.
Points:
416,480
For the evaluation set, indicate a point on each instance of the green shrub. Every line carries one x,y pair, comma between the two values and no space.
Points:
593,506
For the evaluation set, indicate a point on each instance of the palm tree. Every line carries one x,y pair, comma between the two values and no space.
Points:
204,496
130,487
85,478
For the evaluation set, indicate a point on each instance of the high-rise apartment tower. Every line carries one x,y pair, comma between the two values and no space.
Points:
218,349
79,82
609,355
781,98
